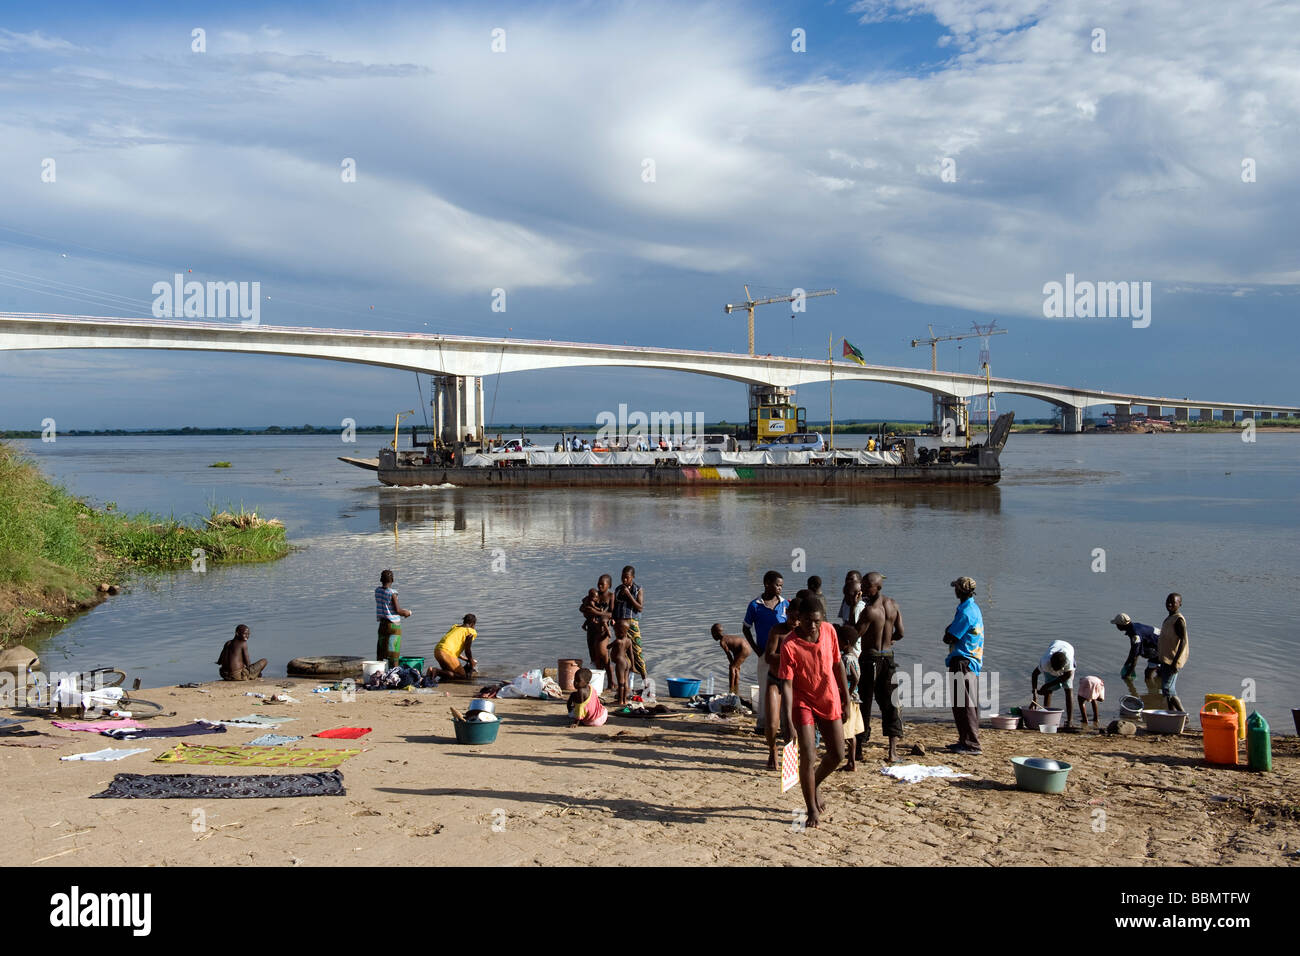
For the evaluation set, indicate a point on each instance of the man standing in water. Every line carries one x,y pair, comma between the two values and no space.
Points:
880,624
629,602
1144,642
965,638
389,614
1173,649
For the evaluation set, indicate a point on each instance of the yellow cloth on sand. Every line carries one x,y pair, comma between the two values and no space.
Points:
453,642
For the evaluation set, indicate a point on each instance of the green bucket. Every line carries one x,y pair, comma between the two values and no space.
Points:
1040,776
416,662
476,732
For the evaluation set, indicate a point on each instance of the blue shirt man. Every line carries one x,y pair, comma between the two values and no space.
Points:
761,618
967,628
965,638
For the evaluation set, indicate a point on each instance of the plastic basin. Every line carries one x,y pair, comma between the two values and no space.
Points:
683,686
1036,719
476,732
1003,722
371,667
1039,775
1130,707
1164,721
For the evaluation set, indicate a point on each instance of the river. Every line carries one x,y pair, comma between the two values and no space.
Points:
1210,516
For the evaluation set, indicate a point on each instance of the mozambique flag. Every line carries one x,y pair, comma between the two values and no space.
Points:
851,352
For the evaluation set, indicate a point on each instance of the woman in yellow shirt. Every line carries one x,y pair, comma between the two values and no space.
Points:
456,644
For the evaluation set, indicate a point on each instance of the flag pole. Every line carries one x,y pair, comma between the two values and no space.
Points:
830,360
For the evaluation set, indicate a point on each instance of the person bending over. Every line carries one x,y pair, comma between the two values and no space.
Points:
457,645
737,650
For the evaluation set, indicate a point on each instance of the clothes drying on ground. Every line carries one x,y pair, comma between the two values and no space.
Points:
198,728
344,733
254,721
96,726
109,753
254,756
162,786
913,772
272,740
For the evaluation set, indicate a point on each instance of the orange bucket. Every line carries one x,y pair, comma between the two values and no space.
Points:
1219,732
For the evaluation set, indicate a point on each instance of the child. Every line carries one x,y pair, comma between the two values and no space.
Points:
854,728
737,650
596,624
1090,689
584,703
809,672
456,644
620,660
772,656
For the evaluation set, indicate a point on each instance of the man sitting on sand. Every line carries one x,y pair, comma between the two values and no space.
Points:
1058,664
456,644
234,662
737,650
1144,642
585,707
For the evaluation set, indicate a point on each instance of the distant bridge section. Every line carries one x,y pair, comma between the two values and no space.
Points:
461,361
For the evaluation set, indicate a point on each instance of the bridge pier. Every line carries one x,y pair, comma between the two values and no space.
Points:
1071,419
951,407
1207,415
1180,414
1153,411
457,403
1228,415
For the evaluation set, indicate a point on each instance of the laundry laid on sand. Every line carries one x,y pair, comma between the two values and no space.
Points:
162,786
272,740
96,726
345,733
109,753
913,772
255,721
250,756
195,729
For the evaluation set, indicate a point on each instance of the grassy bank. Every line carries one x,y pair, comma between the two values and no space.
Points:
58,554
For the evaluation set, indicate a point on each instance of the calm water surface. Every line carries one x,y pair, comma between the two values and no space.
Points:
1210,516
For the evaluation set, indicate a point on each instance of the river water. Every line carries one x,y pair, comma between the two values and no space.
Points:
1207,515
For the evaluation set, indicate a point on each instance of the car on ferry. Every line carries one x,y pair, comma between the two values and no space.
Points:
799,441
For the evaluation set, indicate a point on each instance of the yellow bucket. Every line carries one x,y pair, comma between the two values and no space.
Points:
1238,705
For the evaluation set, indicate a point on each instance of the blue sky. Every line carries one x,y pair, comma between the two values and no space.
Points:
522,170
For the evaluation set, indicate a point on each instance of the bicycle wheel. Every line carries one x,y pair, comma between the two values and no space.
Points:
139,708
103,677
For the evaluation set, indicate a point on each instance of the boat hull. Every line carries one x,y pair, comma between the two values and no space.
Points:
614,476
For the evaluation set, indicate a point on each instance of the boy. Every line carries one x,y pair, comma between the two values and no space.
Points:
815,595
1057,664
854,727
809,673
457,643
771,691
1144,642
584,703
620,659
737,650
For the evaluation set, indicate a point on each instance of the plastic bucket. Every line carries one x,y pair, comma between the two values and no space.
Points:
683,686
1130,707
566,669
372,667
1238,705
1219,732
476,732
1040,776
1036,718
1165,721
598,681
416,662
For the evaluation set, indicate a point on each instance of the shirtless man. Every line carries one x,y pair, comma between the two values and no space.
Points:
598,610
234,661
737,650
881,625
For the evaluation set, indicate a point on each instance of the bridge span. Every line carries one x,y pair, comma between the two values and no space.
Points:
459,362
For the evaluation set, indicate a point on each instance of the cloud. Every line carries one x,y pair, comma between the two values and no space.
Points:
37,41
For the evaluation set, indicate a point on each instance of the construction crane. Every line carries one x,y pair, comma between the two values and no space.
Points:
933,340
748,306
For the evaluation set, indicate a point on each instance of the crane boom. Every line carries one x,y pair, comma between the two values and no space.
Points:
749,304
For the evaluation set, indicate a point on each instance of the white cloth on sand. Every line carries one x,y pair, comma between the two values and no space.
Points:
913,772
109,753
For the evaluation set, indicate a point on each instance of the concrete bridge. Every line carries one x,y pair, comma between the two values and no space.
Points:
459,362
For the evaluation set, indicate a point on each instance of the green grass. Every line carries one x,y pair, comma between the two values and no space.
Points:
55,547
219,464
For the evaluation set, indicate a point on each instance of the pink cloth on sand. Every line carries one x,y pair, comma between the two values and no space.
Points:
1091,688
96,726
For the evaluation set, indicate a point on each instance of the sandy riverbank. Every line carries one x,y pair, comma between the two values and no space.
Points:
684,790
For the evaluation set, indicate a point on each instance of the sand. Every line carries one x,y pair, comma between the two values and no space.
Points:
684,790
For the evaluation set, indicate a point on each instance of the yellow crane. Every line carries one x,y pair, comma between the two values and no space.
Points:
749,304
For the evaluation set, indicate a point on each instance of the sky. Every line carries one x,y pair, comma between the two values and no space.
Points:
622,170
